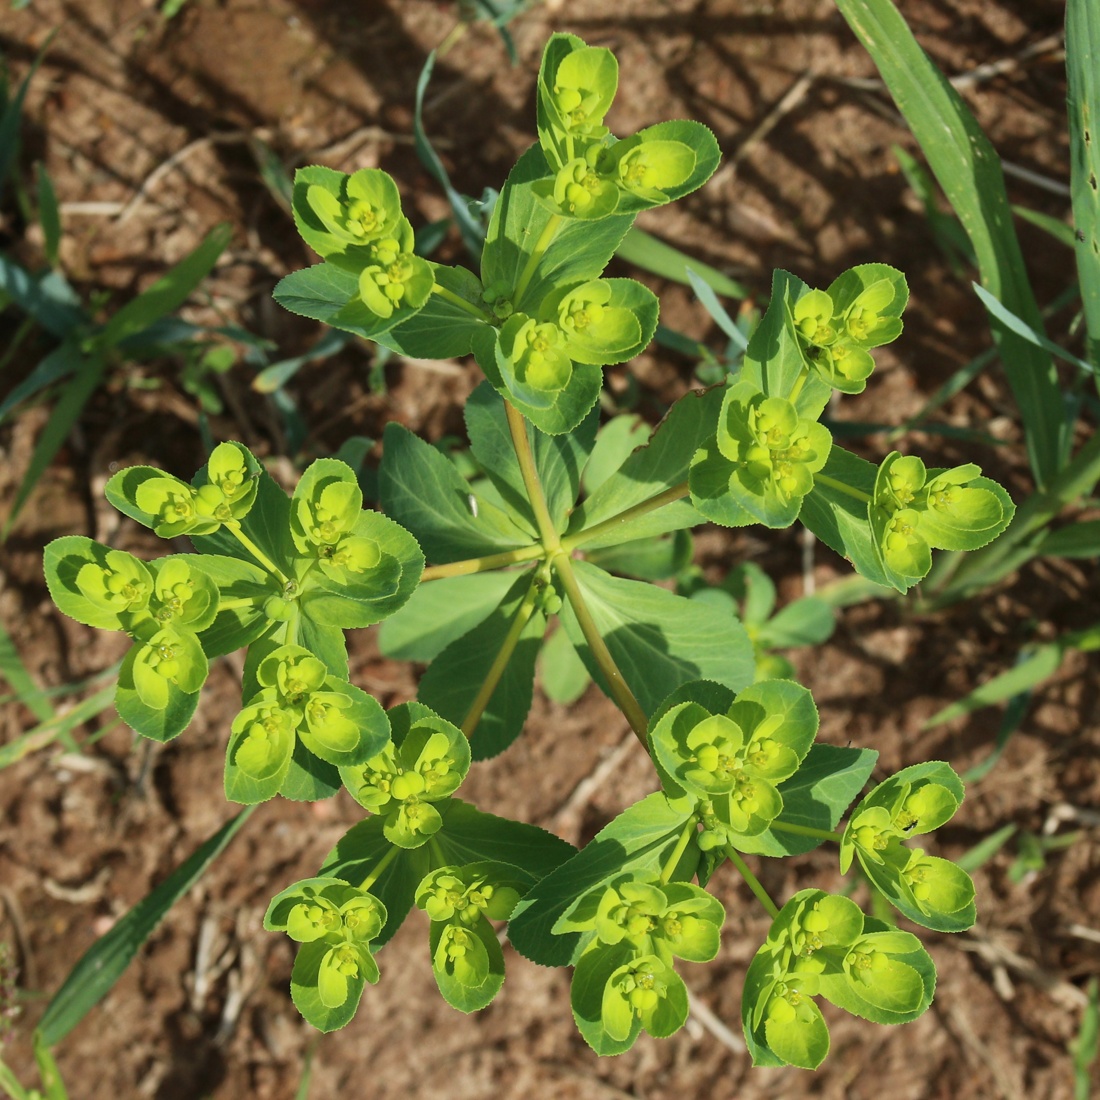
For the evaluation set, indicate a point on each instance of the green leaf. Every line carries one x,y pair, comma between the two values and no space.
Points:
49,216
657,639
235,627
649,471
423,492
651,254
330,294
641,838
470,836
578,250
586,996
559,459
647,559
304,981
20,680
309,778
158,725
806,621
1027,673
168,293
840,520
353,605
65,414
103,963
442,329
716,310
815,797
455,678
615,441
969,171
440,612
358,854
468,226
561,671
468,998
1080,539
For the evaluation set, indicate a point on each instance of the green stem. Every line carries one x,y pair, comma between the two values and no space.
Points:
379,867
517,426
240,601
541,245
500,662
806,830
457,300
690,829
482,565
677,492
799,382
617,686
234,529
840,487
752,880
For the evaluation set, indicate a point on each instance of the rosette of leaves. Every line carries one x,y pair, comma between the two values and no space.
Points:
914,510
729,764
356,225
467,960
336,924
424,762
823,945
837,327
929,890
162,605
762,463
549,365
300,707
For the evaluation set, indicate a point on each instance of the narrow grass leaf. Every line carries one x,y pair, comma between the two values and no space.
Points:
49,215
652,254
969,171
15,672
1083,72
717,311
102,965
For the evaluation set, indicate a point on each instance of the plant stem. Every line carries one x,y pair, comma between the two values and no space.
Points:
482,565
518,428
677,492
240,601
234,528
752,880
500,662
379,867
799,382
806,830
458,300
840,487
690,829
541,245
620,692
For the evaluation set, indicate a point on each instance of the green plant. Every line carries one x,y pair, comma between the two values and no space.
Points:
735,757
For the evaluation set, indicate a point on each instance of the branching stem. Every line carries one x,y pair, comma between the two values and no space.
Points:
517,426
690,829
458,300
500,662
840,487
677,492
234,529
754,883
482,565
617,686
541,245
376,872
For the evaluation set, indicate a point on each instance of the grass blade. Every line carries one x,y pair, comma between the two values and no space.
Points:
169,292
715,308
64,416
651,254
16,674
56,728
986,849
1086,1045
103,963
472,234
49,215
1083,72
969,172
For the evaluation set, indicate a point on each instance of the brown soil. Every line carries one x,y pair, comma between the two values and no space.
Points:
126,101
